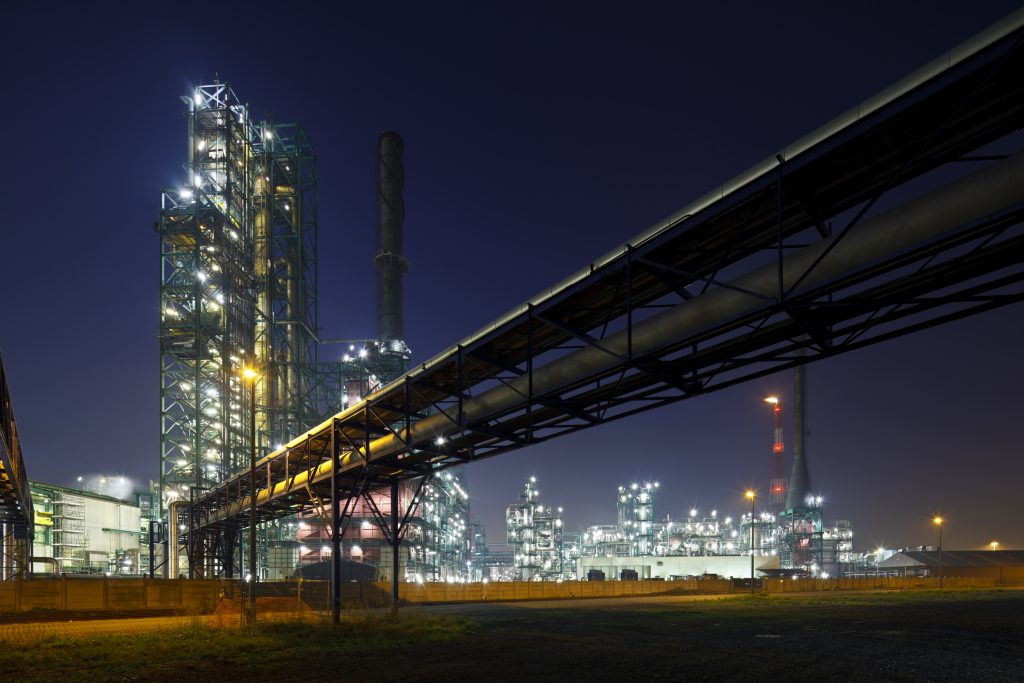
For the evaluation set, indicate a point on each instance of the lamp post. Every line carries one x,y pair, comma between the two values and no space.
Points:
938,522
751,496
994,545
251,375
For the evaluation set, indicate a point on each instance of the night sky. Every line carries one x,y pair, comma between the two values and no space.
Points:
536,140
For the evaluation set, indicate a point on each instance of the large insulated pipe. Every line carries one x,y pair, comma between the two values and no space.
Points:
959,203
390,262
800,475
171,569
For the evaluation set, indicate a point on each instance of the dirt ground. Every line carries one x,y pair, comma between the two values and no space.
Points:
924,635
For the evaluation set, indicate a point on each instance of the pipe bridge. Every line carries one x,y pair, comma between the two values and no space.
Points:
790,262
15,501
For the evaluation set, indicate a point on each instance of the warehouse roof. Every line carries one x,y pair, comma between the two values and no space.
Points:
956,558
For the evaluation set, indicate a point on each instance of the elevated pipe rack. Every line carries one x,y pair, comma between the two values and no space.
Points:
730,288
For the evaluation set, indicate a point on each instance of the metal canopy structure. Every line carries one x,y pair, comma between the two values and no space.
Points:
786,264
15,500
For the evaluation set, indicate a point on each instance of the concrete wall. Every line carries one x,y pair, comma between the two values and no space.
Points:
108,594
539,590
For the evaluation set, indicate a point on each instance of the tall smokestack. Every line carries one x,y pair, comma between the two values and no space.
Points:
391,264
800,477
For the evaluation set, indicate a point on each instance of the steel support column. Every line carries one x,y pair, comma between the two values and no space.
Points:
396,542
335,528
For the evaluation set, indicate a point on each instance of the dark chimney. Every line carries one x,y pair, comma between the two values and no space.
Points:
391,264
800,477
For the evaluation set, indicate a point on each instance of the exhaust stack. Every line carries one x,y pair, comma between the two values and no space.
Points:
800,477
390,262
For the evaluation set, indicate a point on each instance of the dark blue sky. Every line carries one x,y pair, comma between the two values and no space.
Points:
536,139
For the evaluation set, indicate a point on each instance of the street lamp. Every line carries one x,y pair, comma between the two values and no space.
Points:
750,494
938,522
251,375
994,545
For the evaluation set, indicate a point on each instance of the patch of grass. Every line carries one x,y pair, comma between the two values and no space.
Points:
877,598
185,653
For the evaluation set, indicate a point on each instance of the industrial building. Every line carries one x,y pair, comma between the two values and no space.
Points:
1006,566
83,532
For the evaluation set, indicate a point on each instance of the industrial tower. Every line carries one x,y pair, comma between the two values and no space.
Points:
777,485
801,524
636,516
237,289
535,533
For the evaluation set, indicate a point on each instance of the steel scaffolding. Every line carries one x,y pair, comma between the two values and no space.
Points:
286,275
207,298
237,289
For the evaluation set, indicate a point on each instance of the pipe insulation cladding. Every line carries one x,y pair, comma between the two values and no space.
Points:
390,262
995,188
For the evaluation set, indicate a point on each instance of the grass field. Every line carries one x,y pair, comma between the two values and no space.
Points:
923,635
